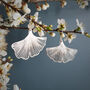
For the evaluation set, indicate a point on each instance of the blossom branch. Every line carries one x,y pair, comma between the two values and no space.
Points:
6,27
15,9
54,30
36,23
34,1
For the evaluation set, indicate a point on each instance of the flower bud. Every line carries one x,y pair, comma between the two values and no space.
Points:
63,3
50,25
62,35
38,8
3,59
47,5
52,34
44,7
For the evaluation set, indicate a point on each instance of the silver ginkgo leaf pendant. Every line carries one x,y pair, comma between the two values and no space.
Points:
29,47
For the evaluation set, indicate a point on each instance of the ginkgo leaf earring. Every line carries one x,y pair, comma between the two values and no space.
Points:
29,47
61,53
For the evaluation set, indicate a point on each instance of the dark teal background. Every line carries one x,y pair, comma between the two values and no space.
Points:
41,73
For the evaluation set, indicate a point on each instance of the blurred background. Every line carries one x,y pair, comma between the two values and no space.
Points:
41,73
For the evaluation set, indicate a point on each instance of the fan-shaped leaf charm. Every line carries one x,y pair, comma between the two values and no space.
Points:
29,47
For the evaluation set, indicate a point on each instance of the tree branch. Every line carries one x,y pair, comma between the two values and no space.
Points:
54,30
6,27
34,1
15,9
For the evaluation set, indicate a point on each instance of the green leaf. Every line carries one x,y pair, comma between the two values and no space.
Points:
78,29
49,28
39,30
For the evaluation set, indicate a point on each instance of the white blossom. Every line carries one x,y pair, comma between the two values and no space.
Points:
15,87
29,47
16,15
4,59
18,20
18,3
70,37
34,30
40,22
31,25
4,80
61,53
8,66
26,9
3,45
41,33
38,8
83,4
47,5
36,16
3,32
63,3
62,35
80,25
52,34
3,70
44,7
3,88
2,38
61,24
3,53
